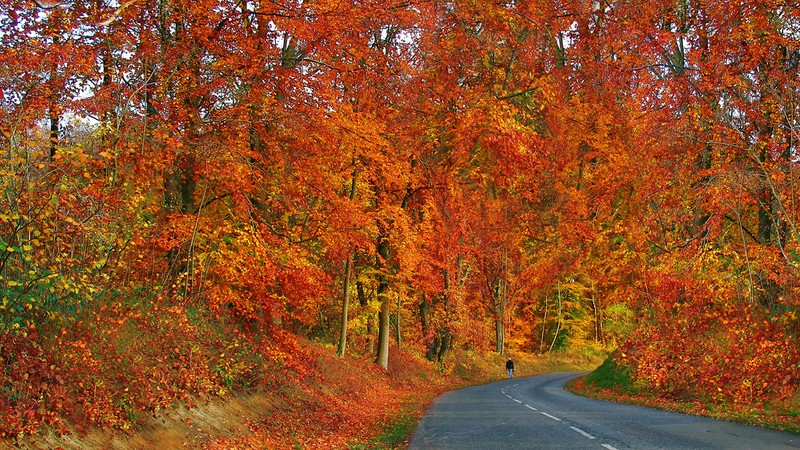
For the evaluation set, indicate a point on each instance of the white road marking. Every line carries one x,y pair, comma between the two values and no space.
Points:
583,433
552,417
609,447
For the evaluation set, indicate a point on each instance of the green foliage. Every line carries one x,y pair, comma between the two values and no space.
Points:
395,432
612,374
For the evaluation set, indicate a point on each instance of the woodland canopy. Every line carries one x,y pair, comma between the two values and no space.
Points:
529,175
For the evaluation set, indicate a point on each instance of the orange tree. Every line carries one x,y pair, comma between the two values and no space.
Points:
182,168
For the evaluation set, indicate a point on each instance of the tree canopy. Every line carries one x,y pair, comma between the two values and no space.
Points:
531,176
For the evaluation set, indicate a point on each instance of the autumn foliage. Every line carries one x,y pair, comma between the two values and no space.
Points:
191,189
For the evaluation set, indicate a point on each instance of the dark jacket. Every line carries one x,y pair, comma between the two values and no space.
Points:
509,364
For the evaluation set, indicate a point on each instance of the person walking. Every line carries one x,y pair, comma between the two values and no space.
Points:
510,368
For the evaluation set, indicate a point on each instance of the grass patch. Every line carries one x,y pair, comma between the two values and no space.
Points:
397,433
399,430
611,375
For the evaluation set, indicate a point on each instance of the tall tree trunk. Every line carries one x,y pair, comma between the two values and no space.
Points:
54,131
109,141
187,165
398,333
544,325
500,301
499,319
347,273
765,215
54,109
598,321
445,344
345,305
427,333
499,330
362,300
382,357
558,320
445,337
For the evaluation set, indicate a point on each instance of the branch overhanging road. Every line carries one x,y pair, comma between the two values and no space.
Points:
536,412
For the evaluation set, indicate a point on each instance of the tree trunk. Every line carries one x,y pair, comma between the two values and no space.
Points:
598,321
348,268
424,311
544,324
345,305
500,301
558,320
445,344
362,300
109,141
499,318
54,110
383,327
499,330
383,286
54,132
445,337
398,334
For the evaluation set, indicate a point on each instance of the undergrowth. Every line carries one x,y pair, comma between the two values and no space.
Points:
117,382
358,406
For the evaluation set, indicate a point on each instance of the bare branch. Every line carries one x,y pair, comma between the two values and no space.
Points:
50,5
115,14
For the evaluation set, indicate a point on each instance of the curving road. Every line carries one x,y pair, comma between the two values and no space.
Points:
530,413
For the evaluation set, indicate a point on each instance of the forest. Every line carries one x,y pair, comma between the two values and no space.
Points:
194,193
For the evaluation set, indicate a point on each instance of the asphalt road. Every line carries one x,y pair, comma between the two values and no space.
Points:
530,413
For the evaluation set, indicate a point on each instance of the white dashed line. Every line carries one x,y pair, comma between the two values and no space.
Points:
585,434
576,429
548,415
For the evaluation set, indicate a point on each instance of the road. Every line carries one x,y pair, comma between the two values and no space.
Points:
531,413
